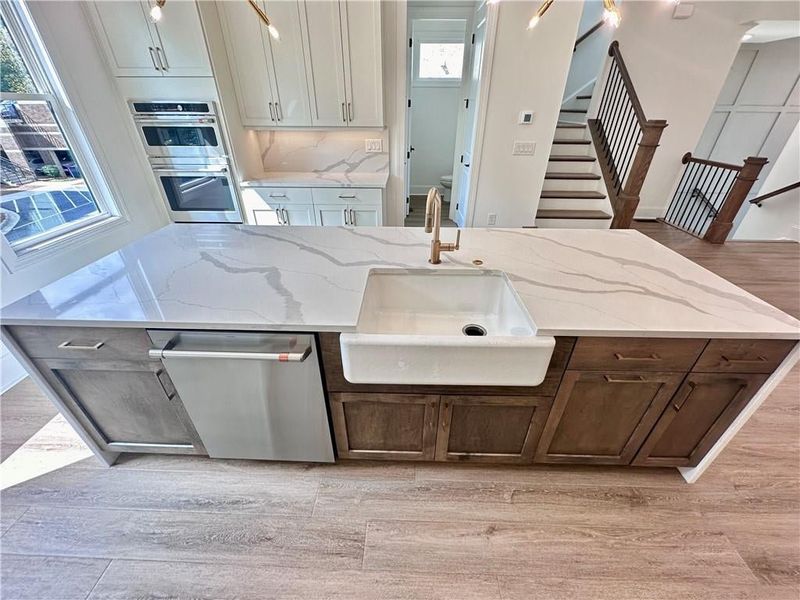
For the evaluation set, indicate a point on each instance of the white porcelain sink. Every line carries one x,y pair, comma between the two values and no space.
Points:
444,327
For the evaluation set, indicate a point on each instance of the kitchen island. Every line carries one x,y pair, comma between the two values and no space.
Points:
657,360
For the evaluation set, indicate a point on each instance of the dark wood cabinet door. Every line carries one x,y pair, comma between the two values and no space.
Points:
604,417
702,409
130,406
494,429
385,426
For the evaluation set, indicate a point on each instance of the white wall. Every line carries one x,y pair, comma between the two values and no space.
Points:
103,114
779,217
433,134
678,68
529,72
588,58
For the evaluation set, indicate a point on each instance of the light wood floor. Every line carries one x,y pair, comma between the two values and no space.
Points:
173,527
416,218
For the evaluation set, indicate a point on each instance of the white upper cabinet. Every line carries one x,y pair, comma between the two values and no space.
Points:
325,71
361,40
136,47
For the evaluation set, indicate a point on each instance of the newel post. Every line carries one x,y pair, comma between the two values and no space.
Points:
628,197
722,224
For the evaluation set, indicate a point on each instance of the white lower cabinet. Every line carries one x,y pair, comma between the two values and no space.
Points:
335,207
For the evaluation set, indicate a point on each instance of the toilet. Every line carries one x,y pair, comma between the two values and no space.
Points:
447,184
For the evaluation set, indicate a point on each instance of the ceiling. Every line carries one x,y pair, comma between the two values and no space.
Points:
772,31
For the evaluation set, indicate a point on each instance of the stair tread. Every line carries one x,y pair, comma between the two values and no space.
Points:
583,194
577,176
574,110
565,125
559,213
574,142
570,158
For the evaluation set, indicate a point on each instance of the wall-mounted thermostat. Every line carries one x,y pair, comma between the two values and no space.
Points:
525,117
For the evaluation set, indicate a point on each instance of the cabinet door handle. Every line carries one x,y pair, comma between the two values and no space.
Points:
285,216
68,345
279,214
344,212
733,361
635,379
619,356
350,110
344,114
278,111
162,58
163,387
153,58
678,404
352,217
271,114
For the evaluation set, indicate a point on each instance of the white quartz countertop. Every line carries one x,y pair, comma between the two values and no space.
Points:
574,282
319,179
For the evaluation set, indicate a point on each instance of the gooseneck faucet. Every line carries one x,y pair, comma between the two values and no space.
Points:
433,222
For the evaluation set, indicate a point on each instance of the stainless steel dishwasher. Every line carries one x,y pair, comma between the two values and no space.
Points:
249,395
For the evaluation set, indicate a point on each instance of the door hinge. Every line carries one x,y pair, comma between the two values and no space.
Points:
461,159
410,42
408,155
466,102
473,38
456,205
409,103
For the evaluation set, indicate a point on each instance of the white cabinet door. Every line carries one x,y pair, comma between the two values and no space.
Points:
244,42
331,214
265,216
123,31
181,40
365,216
288,69
298,214
361,34
323,30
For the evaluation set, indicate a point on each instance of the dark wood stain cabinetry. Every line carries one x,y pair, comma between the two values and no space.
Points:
603,417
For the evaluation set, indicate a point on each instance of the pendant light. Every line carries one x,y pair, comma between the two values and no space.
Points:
273,31
611,13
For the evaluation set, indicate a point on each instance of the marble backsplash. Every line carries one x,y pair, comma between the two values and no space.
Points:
333,151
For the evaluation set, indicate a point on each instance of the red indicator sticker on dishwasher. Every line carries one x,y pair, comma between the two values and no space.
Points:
283,357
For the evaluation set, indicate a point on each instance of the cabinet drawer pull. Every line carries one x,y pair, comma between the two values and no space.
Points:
68,345
733,361
348,196
635,379
619,356
163,387
277,195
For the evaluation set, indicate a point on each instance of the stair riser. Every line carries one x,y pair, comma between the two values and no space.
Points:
571,133
577,185
572,149
573,223
572,167
574,204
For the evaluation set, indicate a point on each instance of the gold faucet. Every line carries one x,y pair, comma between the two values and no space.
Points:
433,222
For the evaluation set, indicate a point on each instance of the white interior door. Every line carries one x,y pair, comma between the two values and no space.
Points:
247,57
126,38
289,86
326,63
361,41
182,42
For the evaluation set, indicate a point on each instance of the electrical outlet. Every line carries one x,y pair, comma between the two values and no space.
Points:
373,145
491,219
523,148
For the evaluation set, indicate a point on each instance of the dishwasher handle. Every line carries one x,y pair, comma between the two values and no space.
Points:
265,356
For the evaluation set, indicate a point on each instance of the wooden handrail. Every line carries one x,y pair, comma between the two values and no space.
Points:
594,28
759,199
613,51
687,158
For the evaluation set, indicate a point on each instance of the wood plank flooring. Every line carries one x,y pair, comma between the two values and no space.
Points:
416,218
188,527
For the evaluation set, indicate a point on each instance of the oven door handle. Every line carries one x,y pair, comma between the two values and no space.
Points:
189,172
176,122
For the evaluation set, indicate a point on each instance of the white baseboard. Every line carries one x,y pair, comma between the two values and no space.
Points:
422,190
11,372
644,213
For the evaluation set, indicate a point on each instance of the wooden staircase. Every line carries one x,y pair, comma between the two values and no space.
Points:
574,194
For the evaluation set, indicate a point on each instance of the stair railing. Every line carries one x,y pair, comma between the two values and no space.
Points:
760,199
710,194
624,138
13,174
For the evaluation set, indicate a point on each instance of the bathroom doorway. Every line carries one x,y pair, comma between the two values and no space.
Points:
439,58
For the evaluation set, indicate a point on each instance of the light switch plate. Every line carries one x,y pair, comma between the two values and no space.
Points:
683,11
523,148
373,145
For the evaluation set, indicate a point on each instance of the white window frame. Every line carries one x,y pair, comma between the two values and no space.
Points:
34,55
437,31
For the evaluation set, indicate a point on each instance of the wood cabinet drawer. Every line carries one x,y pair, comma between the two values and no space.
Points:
743,356
635,354
82,342
348,196
284,195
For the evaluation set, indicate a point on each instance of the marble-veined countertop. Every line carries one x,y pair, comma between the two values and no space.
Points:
319,179
574,282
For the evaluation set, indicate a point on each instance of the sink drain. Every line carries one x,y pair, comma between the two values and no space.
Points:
473,329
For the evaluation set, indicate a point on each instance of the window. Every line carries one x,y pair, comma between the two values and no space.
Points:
44,192
440,61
